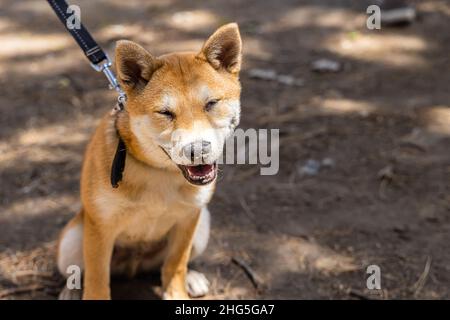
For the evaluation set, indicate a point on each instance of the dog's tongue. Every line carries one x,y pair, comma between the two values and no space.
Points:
200,170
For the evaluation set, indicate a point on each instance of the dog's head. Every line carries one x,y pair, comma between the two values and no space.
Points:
182,106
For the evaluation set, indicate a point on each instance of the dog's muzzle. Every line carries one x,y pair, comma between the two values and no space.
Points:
197,170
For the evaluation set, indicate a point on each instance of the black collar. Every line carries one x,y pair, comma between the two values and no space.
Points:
118,164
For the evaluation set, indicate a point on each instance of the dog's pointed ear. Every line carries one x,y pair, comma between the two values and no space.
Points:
223,50
134,65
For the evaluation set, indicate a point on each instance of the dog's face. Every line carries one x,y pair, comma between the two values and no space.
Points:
181,107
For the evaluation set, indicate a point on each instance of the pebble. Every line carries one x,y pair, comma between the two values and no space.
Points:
326,65
272,75
328,162
312,166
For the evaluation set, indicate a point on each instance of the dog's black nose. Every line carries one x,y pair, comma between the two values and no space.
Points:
197,150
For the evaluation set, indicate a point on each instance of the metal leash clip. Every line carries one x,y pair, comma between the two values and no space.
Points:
104,67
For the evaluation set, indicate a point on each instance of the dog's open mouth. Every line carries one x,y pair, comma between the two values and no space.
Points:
199,174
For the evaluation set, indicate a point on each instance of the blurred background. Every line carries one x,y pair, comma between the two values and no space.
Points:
364,123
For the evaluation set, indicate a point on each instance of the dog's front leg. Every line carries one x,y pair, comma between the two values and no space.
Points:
98,244
175,266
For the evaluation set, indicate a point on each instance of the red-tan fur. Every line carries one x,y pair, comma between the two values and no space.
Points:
155,211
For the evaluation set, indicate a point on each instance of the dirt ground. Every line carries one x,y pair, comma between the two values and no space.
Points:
382,124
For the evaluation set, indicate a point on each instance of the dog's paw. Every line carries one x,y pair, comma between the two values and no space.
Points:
70,294
196,284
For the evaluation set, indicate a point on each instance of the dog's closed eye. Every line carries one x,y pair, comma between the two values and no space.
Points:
167,113
210,104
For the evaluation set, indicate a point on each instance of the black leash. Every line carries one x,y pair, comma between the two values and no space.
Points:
101,63
91,49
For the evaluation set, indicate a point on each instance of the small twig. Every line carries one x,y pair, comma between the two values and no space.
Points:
245,174
423,277
413,145
34,273
386,176
359,295
52,283
372,295
254,278
382,189
24,289
246,208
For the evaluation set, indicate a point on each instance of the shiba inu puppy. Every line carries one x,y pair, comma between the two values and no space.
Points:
180,108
